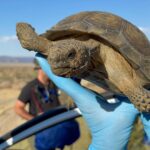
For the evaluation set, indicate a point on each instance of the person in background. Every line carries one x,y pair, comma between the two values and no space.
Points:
42,95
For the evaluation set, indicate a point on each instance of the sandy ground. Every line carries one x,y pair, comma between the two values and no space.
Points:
12,78
9,119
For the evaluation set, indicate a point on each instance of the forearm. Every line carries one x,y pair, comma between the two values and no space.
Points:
24,114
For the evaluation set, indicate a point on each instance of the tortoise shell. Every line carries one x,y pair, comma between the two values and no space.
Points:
125,37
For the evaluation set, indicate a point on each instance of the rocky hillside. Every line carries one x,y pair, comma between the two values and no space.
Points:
8,59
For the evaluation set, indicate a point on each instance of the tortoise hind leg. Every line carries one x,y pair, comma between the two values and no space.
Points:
140,97
124,77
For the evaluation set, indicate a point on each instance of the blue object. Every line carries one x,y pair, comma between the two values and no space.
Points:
146,141
110,124
58,136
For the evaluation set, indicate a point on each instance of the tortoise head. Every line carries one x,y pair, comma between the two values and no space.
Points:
69,57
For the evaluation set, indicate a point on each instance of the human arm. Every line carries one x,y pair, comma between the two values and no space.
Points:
23,99
110,124
21,111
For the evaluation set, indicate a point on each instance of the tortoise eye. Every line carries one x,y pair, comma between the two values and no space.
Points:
71,55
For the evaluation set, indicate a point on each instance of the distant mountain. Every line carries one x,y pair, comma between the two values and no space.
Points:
9,59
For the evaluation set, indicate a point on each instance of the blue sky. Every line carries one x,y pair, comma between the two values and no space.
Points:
43,14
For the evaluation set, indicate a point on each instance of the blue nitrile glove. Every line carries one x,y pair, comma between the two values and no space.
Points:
110,124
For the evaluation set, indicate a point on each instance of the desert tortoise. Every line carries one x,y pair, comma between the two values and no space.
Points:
100,47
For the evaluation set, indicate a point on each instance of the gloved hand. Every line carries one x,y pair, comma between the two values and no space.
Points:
110,124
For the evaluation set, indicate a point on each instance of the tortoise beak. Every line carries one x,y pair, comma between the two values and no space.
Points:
64,72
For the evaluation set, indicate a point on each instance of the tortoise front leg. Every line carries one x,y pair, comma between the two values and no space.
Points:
30,40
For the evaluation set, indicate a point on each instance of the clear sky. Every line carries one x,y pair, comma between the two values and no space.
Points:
43,14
